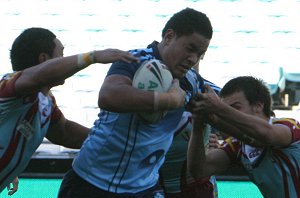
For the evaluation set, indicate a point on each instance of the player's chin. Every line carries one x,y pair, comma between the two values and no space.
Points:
179,74
61,82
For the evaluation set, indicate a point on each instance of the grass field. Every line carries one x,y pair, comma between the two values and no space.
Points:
48,188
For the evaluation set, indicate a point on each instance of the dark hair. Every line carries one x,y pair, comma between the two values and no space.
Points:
255,91
29,45
188,21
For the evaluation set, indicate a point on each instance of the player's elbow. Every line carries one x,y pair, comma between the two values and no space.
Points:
103,101
110,102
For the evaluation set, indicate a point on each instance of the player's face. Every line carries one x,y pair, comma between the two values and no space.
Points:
238,101
182,53
58,50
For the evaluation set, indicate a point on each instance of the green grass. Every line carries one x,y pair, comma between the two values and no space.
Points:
48,188
35,188
242,189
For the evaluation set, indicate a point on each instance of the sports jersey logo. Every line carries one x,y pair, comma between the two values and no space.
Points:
252,153
44,107
153,158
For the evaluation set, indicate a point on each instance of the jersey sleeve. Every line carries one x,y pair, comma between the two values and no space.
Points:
7,85
122,68
293,125
232,147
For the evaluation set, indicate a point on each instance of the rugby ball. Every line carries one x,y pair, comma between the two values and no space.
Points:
152,75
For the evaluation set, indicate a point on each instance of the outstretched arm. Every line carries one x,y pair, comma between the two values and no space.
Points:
201,164
67,133
54,71
244,126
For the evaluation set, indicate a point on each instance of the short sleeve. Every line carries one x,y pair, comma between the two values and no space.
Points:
293,125
7,85
232,147
123,68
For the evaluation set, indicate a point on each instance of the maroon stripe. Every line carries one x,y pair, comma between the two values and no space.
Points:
17,164
13,145
284,177
292,170
11,149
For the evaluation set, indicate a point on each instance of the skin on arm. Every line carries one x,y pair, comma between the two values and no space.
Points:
67,133
243,121
199,162
118,95
253,130
54,71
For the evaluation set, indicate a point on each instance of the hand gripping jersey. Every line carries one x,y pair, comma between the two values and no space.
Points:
275,170
123,154
24,121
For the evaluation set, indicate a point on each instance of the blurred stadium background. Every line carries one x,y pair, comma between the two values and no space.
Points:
251,37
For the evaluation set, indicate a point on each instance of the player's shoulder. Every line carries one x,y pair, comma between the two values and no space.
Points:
10,76
196,79
143,53
286,121
291,123
129,69
7,84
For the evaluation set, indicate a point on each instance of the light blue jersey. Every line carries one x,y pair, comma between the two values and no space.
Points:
24,122
123,154
275,170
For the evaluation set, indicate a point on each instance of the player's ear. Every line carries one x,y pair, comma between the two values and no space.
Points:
169,35
43,57
259,107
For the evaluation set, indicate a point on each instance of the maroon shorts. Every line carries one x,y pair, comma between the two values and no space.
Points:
198,189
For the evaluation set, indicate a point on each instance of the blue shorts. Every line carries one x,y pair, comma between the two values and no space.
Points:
73,186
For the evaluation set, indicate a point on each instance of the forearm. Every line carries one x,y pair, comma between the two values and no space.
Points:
58,69
196,150
54,71
118,95
242,124
67,133
122,97
230,129
75,135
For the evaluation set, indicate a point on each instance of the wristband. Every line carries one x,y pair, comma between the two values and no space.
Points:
85,59
156,101
168,100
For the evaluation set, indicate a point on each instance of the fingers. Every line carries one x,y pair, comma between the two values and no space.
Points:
177,94
208,89
112,55
129,58
15,186
213,141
